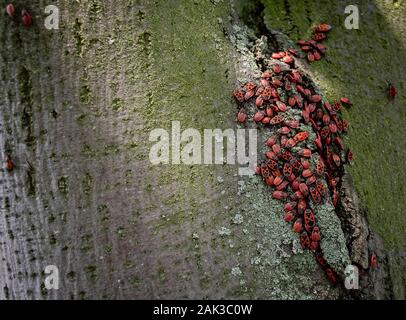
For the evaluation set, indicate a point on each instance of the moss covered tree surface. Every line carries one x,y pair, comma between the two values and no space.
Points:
77,106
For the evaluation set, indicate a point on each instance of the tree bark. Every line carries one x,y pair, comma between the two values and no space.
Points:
77,107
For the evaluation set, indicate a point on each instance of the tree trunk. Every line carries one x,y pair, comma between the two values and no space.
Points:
77,108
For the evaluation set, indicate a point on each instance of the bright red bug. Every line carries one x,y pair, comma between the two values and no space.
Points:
268,93
346,101
301,205
322,48
317,55
293,52
332,182
337,106
289,206
287,59
239,95
320,167
276,68
318,142
333,127
294,124
289,216
284,140
279,195
325,132
319,113
319,36
339,143
276,148
10,10
265,171
323,27
315,234
276,82
326,119
310,180
336,159
282,186
270,154
331,276
290,143
305,116
335,197
292,101
309,220
315,195
296,164
271,141
277,119
304,240
287,156
305,164
278,180
269,180
344,125
266,75
249,86
296,76
241,116
26,18
310,56
300,89
283,130
291,178
321,189
301,136
288,85
295,184
391,89
258,170
304,189
258,102
315,98
287,169
248,95
278,55
314,245
297,226
281,106
349,156
258,116
269,112
9,164
265,120
320,259
259,91
272,164
307,173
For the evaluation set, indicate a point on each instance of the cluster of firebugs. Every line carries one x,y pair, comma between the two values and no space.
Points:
26,19
297,173
25,16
